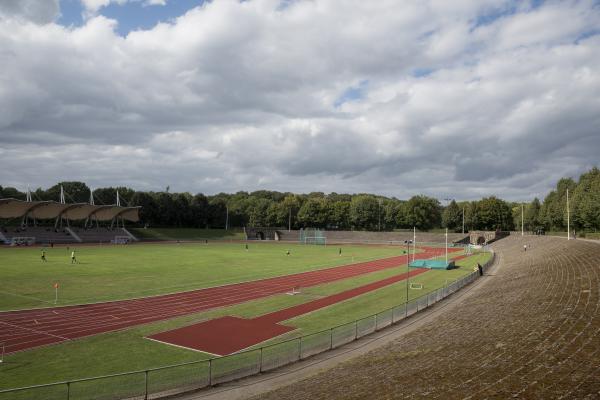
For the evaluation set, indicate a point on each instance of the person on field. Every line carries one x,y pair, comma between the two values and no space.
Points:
246,246
524,247
73,259
340,251
44,255
288,252
480,269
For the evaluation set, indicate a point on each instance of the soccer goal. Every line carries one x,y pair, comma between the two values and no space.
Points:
22,241
313,236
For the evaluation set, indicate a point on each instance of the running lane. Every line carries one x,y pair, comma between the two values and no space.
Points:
27,329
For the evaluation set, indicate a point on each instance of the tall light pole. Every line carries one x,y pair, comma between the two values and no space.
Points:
522,221
414,242
290,221
446,246
568,218
226,217
408,242
379,215
463,228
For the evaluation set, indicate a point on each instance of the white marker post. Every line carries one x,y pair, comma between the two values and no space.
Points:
55,293
2,353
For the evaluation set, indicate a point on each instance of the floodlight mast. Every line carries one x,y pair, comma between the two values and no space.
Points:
446,246
407,242
568,218
522,220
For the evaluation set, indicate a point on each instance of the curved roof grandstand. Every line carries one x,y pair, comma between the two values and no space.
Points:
13,208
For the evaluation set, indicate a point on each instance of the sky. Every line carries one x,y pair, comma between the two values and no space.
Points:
458,99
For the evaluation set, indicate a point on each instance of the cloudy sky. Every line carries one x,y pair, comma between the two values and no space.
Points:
453,99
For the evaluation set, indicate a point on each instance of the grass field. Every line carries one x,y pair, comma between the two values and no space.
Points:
187,234
106,273
131,271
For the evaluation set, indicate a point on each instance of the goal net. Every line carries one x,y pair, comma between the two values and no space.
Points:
313,236
22,241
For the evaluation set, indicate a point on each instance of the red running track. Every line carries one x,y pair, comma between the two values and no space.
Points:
27,329
215,336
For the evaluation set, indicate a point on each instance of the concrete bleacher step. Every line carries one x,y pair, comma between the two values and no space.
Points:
131,236
74,235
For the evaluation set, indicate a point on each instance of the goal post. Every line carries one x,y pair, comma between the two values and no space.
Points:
319,240
312,236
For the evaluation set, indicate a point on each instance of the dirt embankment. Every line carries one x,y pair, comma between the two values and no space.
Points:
532,331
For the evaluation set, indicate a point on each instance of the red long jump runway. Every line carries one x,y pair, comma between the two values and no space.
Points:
22,330
222,336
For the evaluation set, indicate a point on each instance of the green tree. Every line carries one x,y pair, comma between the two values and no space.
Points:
364,212
494,213
452,217
423,212
289,210
314,212
532,215
149,211
340,214
258,211
586,201
75,192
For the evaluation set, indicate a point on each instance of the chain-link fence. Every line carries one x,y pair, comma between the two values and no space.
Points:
169,380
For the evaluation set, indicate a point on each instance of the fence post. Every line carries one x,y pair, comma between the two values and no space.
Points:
146,385
330,338
210,372
68,390
261,360
355,329
376,321
300,348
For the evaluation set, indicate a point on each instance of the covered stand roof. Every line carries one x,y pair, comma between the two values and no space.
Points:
13,208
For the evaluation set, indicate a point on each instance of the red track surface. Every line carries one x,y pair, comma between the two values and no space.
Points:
215,336
21,330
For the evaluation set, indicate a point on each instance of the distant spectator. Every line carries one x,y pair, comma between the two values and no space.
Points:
480,269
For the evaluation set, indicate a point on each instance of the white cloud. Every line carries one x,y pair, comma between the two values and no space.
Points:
241,96
40,12
155,2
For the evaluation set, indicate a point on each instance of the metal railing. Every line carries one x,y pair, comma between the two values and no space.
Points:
168,380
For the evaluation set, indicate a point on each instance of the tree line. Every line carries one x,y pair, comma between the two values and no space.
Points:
345,211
